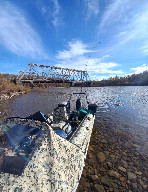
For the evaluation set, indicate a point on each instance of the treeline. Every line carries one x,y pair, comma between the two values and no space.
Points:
140,79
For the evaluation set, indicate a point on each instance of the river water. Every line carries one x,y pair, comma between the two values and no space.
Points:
122,108
120,133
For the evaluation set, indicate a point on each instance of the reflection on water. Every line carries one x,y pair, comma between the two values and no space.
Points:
125,108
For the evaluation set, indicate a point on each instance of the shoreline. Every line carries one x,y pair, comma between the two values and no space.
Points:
112,164
5,96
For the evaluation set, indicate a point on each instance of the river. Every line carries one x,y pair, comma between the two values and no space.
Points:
122,126
126,108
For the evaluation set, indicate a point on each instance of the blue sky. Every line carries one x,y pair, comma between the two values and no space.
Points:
106,37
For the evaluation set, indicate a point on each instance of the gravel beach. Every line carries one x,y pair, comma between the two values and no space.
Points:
113,164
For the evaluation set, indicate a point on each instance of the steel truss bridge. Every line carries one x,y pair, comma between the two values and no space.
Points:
38,73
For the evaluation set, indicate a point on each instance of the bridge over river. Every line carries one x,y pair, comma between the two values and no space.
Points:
38,73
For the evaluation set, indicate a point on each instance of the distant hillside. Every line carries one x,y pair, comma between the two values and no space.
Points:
140,79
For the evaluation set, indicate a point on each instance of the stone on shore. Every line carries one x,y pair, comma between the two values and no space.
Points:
122,179
114,174
106,181
90,148
101,157
98,188
124,164
90,155
131,176
122,169
92,178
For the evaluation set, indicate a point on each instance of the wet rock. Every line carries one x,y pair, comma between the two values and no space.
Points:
112,156
138,172
141,182
101,157
87,185
80,189
114,174
111,189
124,163
90,148
109,165
98,188
90,171
82,181
122,169
145,187
131,163
84,172
122,179
92,178
134,185
92,163
103,141
106,181
131,176
106,152
96,172
90,155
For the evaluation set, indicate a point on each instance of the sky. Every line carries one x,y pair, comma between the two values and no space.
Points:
104,37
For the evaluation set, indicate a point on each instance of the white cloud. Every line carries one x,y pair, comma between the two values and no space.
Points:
140,69
115,11
56,19
76,48
16,34
145,50
136,29
51,11
92,7
91,65
106,56
103,67
97,77
75,58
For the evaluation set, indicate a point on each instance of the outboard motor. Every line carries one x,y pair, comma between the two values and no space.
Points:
60,113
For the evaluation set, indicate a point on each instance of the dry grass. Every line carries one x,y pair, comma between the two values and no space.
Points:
8,88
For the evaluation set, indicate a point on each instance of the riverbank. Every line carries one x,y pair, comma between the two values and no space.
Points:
113,164
9,89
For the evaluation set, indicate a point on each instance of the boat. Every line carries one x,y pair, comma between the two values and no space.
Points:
46,153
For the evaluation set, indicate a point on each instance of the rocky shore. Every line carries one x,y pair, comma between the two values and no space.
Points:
5,96
113,164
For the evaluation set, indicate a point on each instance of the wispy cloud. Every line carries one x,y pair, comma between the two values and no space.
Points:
126,28
51,11
140,69
97,77
136,29
76,58
16,34
114,13
92,7
56,19
76,48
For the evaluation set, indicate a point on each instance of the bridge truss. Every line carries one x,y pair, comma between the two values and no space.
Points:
44,73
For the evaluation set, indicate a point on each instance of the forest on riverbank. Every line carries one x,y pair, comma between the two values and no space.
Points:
8,82
140,79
